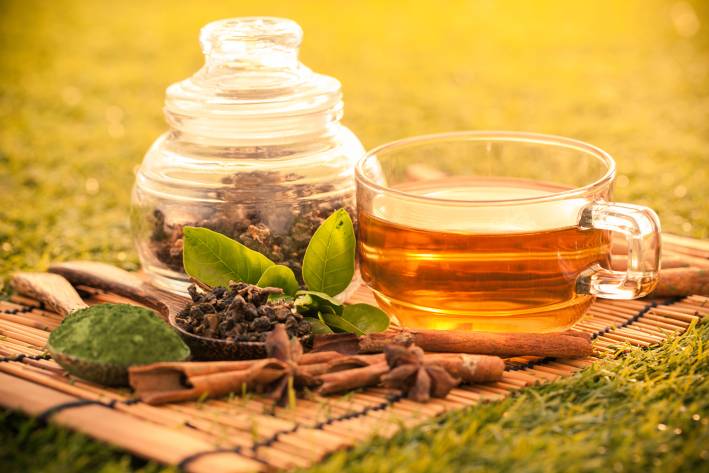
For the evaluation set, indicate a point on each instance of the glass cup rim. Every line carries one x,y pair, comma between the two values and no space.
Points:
496,136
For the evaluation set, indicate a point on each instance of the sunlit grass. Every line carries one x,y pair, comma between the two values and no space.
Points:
644,412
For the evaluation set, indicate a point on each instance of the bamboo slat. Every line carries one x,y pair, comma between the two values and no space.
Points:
125,431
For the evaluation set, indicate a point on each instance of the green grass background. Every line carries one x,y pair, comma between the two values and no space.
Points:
81,91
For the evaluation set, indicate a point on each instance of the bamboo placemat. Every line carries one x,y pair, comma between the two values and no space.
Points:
248,433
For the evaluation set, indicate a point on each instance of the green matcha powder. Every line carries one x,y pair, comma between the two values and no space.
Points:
117,334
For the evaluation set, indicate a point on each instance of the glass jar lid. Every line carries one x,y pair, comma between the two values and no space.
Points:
252,86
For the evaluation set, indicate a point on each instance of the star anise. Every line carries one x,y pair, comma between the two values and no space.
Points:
288,351
418,379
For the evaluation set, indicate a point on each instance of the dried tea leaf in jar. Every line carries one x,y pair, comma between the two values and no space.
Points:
281,233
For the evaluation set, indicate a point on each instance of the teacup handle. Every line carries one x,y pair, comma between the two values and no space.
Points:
641,226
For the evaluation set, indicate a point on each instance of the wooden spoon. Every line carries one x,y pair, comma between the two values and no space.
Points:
129,285
59,295
51,289
121,282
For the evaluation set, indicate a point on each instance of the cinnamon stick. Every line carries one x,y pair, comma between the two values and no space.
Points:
341,363
352,372
314,369
319,357
349,362
277,375
343,343
682,282
469,368
347,380
159,383
568,344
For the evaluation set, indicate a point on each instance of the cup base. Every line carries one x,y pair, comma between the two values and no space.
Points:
538,320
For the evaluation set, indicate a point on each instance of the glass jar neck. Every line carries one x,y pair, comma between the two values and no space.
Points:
210,131
252,88
252,43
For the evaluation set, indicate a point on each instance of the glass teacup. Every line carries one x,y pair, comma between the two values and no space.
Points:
497,231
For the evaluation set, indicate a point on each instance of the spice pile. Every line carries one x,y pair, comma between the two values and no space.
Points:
101,342
280,231
241,312
117,334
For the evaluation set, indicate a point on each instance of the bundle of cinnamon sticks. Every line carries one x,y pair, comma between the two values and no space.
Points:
420,363
172,382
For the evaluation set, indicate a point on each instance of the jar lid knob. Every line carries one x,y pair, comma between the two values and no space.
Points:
252,42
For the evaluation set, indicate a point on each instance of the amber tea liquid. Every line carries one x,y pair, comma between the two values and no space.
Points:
495,272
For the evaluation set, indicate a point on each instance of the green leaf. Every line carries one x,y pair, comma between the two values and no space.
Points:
329,262
367,318
312,302
338,322
305,305
359,319
318,326
281,276
215,259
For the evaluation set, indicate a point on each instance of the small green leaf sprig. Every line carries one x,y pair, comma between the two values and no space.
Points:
328,267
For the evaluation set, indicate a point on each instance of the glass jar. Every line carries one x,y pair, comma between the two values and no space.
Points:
255,151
